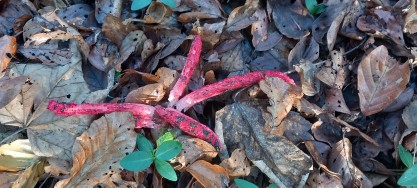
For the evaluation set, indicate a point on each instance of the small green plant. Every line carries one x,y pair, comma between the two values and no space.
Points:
409,177
140,4
167,148
315,8
246,184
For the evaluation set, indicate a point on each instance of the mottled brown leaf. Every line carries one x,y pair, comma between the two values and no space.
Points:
335,71
237,165
194,149
381,79
209,175
97,152
340,161
8,48
105,7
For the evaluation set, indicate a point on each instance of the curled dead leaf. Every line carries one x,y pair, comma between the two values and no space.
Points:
209,175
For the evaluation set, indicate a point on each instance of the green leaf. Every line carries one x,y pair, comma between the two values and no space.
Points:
409,178
137,161
167,136
139,4
405,156
168,150
273,186
244,184
144,144
320,8
311,5
170,3
165,169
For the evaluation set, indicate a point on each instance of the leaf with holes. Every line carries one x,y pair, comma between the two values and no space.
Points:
381,79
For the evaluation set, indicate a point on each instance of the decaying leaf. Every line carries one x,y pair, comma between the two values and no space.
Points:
411,19
167,77
97,152
306,70
16,156
322,180
335,101
8,48
114,29
49,135
132,43
194,149
105,7
200,10
237,165
10,89
242,16
291,18
209,175
333,72
295,128
31,175
381,79
157,13
281,96
147,94
409,115
306,49
340,161
281,160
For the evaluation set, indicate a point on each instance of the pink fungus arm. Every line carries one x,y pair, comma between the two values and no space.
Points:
190,65
226,85
142,113
188,125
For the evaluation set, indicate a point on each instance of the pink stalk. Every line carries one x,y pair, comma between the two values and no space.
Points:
226,85
188,125
190,65
142,113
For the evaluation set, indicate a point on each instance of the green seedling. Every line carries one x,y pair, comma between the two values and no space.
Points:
409,177
246,184
314,8
167,148
140,4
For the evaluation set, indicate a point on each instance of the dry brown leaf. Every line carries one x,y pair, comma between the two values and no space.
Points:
284,163
194,149
306,49
411,19
210,33
167,77
8,178
334,72
242,16
16,156
10,89
14,10
105,7
291,18
335,101
322,180
78,15
306,70
402,101
157,13
340,161
381,80
147,94
295,128
31,175
334,30
132,43
209,175
281,96
208,9
409,115
97,152
149,49
114,29
8,48
237,165
234,59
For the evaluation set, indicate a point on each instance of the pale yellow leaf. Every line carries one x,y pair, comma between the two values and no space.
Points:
16,156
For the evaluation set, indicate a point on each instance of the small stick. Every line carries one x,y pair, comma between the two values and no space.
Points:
188,125
191,63
226,85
